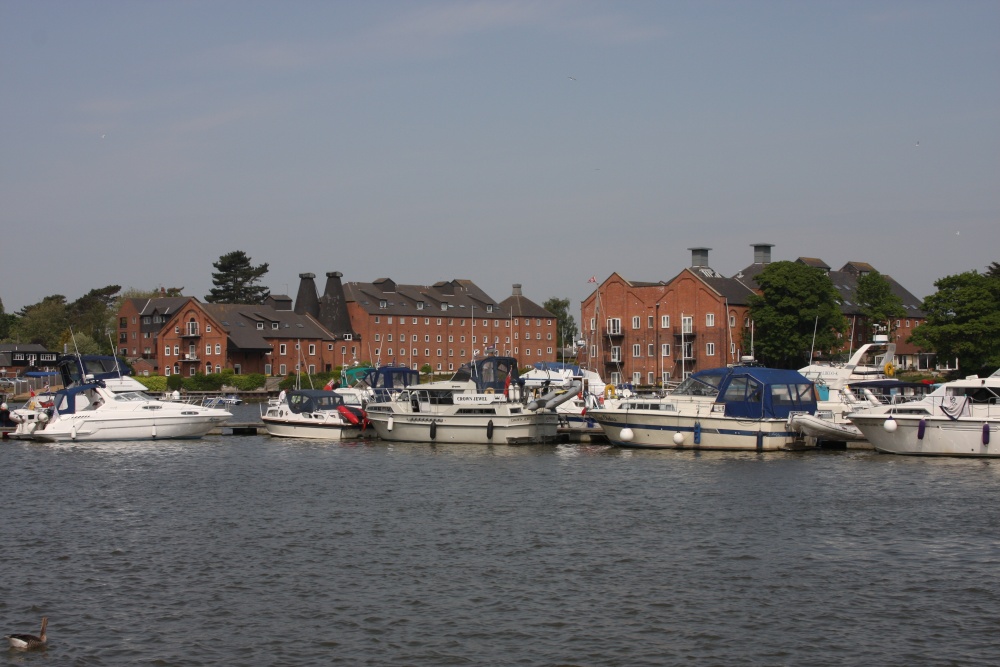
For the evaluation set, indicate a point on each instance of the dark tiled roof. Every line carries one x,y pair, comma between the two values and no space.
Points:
241,324
813,261
163,305
732,290
455,298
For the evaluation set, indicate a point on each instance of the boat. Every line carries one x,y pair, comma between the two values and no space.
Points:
100,401
958,418
573,419
483,403
865,381
325,414
740,407
216,401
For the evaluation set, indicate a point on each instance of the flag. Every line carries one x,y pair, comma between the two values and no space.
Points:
506,385
593,279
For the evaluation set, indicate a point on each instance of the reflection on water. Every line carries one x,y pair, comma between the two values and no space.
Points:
248,550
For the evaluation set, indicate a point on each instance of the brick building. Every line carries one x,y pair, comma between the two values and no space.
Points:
444,325
653,332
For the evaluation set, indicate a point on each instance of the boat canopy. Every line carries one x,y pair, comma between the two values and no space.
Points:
494,373
391,377
313,400
67,401
75,368
754,392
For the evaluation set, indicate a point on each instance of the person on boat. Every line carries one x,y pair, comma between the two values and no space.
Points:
281,396
5,416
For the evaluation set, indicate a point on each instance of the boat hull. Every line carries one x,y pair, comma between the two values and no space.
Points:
81,428
939,436
826,430
659,431
315,431
470,429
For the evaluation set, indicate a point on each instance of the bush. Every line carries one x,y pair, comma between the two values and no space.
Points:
175,382
248,382
202,382
156,384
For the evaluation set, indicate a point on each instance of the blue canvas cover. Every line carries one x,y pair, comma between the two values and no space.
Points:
490,373
756,392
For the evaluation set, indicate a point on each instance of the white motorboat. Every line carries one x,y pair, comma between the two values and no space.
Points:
573,419
101,404
835,396
318,414
741,407
483,403
959,418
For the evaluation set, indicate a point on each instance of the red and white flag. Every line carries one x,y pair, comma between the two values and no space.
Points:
593,279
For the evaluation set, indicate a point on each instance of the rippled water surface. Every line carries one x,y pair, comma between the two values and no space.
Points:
245,550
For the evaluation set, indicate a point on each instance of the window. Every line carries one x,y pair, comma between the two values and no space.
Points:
383,304
166,351
439,352
710,349
260,325
688,350
616,353
208,328
282,370
614,326
414,352
274,325
635,322
709,319
283,349
378,337
636,350
732,321
177,350
687,324
593,324
651,351
637,378
208,349
649,322
664,321
312,349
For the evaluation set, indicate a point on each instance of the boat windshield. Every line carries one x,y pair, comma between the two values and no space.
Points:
131,396
702,385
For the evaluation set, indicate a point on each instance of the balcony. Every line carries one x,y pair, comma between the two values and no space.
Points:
613,334
192,358
687,334
191,333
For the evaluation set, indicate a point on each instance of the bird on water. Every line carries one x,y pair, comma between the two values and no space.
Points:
29,642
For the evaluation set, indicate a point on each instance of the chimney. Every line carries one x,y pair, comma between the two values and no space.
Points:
305,300
762,253
699,257
333,306
517,289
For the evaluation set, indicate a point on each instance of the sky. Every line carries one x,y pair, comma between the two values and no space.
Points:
503,142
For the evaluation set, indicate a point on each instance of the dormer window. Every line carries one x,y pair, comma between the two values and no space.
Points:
489,308
420,305
383,303
444,306
260,325
274,325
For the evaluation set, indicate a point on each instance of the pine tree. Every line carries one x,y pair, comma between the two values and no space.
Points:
236,280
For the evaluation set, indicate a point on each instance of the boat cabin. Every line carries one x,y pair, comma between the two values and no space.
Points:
313,400
490,373
752,392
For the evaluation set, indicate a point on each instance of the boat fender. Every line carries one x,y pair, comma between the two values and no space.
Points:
434,430
678,438
154,432
986,433
697,433
348,415
921,429
388,424
489,430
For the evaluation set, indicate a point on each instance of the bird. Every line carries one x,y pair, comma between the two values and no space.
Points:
28,642
572,78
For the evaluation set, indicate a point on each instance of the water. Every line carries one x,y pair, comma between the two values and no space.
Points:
250,551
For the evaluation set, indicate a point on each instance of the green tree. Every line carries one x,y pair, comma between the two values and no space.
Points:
6,321
43,323
797,301
236,280
963,318
94,314
565,323
878,303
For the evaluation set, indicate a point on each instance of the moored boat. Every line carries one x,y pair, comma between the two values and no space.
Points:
959,418
742,407
317,414
483,403
101,402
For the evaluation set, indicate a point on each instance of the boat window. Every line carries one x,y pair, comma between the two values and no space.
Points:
693,386
736,390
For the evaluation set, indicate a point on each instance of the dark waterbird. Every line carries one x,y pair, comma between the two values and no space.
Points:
28,642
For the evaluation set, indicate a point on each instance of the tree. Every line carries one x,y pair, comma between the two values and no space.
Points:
43,323
963,318
94,314
875,298
565,323
236,280
797,301
6,321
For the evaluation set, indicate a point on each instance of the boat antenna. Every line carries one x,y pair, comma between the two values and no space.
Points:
812,350
118,366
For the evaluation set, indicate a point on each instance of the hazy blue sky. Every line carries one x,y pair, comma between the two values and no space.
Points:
537,142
